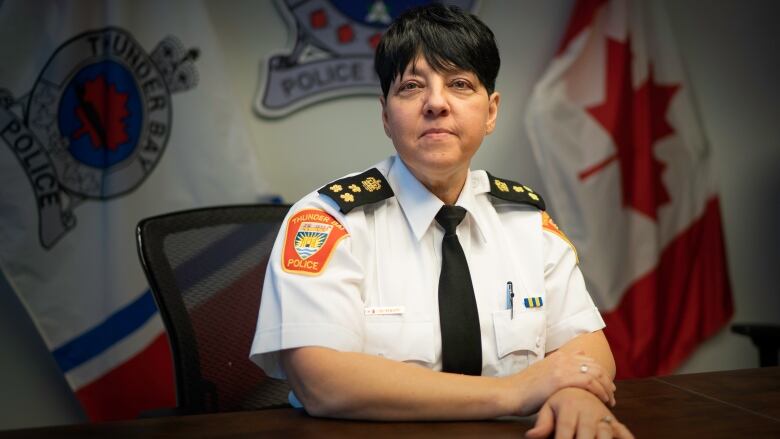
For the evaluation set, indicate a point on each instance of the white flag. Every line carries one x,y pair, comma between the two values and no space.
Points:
110,112
614,129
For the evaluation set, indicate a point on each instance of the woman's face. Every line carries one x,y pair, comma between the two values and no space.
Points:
437,120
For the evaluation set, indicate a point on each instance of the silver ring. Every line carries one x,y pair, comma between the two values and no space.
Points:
584,368
608,419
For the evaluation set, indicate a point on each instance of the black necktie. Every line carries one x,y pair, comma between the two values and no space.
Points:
461,342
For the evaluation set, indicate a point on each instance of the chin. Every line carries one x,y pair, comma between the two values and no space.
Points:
438,165
436,157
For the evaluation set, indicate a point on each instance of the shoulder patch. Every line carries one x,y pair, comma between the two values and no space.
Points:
311,236
549,225
358,190
512,191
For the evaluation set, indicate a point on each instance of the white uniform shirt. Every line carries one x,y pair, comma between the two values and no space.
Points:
378,292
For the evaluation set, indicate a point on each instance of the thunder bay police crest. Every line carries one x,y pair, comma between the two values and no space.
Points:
96,122
310,238
333,54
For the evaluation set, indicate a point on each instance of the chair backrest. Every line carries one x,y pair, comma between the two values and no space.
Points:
206,268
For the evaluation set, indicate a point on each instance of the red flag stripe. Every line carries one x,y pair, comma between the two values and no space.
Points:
689,291
582,17
143,382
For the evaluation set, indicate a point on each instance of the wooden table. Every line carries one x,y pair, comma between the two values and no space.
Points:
733,404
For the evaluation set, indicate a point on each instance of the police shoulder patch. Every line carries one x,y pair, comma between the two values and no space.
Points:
311,236
358,190
549,225
512,191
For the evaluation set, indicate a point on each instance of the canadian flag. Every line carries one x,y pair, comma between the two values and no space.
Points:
627,168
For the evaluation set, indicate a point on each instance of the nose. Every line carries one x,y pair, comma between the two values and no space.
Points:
436,103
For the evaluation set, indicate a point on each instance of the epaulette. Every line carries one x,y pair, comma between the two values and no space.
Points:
358,190
512,191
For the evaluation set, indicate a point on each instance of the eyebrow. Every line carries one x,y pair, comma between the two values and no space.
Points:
454,70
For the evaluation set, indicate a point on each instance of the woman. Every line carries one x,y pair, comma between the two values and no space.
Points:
422,290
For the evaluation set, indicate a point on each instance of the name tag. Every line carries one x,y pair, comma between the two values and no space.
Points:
384,310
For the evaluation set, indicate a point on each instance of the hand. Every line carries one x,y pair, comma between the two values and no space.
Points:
577,413
559,370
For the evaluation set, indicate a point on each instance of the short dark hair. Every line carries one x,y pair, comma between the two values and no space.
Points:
447,37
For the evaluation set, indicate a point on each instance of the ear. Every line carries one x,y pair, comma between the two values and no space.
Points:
385,122
494,101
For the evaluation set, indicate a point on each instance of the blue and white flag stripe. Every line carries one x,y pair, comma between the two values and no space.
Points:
116,327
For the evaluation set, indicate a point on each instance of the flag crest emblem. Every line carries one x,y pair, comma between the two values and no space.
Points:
96,122
333,53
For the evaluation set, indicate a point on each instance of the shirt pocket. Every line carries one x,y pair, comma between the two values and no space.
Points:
519,340
400,339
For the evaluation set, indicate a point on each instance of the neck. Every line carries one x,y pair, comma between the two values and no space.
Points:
446,187
446,192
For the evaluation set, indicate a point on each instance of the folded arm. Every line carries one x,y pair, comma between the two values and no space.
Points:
330,383
352,385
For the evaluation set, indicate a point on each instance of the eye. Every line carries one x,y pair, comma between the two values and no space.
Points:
460,84
409,88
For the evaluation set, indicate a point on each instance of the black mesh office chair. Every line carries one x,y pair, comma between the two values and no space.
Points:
205,268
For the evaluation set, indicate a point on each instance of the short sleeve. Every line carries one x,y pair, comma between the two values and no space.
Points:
311,293
571,311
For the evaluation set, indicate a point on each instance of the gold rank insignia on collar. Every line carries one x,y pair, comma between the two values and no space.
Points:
512,191
358,190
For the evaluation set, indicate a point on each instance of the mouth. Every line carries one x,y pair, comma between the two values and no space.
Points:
437,132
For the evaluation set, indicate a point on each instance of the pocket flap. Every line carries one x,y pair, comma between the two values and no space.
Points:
523,333
399,340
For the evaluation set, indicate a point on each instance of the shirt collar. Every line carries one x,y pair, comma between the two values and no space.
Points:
476,184
420,206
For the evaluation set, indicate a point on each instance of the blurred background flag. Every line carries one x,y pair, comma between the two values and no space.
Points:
616,135
110,111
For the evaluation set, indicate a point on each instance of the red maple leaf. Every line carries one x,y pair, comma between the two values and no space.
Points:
101,111
636,120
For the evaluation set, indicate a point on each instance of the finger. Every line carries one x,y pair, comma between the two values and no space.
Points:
544,424
604,430
621,431
596,387
587,383
592,382
586,427
597,373
566,424
608,385
606,381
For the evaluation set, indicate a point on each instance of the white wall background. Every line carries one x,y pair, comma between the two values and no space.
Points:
729,47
